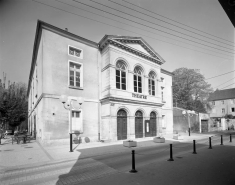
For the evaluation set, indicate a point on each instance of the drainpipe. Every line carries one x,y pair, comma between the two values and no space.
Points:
99,90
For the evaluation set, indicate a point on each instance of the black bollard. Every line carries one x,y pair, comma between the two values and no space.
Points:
194,147
71,142
133,170
171,154
221,140
210,147
230,137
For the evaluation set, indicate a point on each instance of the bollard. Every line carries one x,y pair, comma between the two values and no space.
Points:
221,140
171,154
71,143
230,137
210,147
133,170
194,147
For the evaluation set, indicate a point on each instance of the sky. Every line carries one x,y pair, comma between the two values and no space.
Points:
195,34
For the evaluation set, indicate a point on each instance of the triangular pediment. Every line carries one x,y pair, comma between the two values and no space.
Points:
139,48
135,45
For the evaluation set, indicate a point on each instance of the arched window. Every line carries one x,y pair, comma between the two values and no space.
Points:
122,113
138,79
153,115
152,78
121,75
138,114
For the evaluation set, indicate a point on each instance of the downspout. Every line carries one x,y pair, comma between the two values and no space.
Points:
99,90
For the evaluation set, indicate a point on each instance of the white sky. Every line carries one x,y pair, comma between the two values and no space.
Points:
213,55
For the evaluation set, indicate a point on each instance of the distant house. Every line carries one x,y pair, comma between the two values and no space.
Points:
223,102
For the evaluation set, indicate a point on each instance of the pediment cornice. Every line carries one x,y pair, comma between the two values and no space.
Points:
122,44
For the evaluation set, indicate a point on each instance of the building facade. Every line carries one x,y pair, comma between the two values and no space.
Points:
126,94
223,103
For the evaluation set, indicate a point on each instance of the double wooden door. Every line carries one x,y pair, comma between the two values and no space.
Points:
121,125
138,124
150,127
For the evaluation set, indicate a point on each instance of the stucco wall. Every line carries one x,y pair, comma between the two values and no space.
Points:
217,108
54,75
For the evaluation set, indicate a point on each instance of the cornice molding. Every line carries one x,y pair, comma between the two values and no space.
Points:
129,49
130,101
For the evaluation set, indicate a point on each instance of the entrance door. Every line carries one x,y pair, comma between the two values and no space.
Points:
204,125
121,125
153,124
138,124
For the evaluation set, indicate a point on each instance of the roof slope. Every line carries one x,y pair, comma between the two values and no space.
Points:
222,94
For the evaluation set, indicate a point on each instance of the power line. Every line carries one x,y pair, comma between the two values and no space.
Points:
219,75
225,82
228,86
169,23
122,28
143,30
154,24
176,21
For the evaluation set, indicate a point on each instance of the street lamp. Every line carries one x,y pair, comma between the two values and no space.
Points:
189,114
69,106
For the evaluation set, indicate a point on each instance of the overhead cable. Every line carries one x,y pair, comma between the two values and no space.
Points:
224,82
219,75
156,25
126,29
169,23
143,30
227,86
176,21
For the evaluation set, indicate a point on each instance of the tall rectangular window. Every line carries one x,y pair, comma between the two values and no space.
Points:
232,109
138,72
121,75
137,84
75,74
151,82
120,79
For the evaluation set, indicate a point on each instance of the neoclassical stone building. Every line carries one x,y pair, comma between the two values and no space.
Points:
126,94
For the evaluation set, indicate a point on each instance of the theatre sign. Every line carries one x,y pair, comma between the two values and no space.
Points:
139,96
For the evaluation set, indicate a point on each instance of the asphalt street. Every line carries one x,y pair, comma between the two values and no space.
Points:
111,164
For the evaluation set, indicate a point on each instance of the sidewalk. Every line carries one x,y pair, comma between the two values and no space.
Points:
17,156
32,164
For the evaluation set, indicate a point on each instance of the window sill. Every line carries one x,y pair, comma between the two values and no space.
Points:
72,87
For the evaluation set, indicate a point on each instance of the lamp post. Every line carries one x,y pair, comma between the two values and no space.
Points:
69,106
189,114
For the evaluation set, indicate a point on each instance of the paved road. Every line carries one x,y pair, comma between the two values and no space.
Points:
214,166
